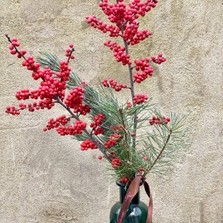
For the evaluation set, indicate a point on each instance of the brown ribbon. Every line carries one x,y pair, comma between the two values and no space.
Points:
150,206
130,194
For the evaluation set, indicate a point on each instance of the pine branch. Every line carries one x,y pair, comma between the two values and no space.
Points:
162,150
161,144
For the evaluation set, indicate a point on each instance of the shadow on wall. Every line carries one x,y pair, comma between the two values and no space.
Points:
210,208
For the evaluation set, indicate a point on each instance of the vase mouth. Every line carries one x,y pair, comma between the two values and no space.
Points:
120,184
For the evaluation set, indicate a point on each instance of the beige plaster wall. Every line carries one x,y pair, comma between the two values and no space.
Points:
47,179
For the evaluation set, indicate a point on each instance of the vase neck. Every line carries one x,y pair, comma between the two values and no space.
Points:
123,191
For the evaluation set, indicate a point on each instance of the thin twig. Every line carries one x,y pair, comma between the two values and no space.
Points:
99,144
17,51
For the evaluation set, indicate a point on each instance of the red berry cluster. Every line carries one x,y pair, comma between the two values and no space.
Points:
124,180
118,52
140,98
159,59
69,51
116,162
13,48
96,124
12,110
119,13
77,128
131,34
45,103
109,143
64,70
99,130
31,107
112,141
55,123
75,97
51,87
146,70
97,120
75,101
139,8
94,22
113,84
33,66
88,144
115,12
125,19
23,94
159,120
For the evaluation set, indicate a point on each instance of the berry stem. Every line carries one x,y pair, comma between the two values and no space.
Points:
70,54
95,140
132,90
9,39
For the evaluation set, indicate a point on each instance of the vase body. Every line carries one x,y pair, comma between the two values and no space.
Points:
137,211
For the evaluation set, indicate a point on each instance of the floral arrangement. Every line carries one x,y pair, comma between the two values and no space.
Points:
134,137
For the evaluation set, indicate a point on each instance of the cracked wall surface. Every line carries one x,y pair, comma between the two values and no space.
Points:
47,179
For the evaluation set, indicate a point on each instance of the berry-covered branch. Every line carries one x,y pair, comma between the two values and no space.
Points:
124,24
51,91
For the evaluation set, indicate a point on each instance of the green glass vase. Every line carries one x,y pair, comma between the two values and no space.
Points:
137,211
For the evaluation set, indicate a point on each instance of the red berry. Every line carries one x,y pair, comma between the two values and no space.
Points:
100,157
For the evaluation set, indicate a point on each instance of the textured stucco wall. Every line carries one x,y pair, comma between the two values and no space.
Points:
46,179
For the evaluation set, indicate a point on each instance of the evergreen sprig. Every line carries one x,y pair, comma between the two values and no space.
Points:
154,148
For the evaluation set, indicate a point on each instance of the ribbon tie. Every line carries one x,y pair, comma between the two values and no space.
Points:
130,194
